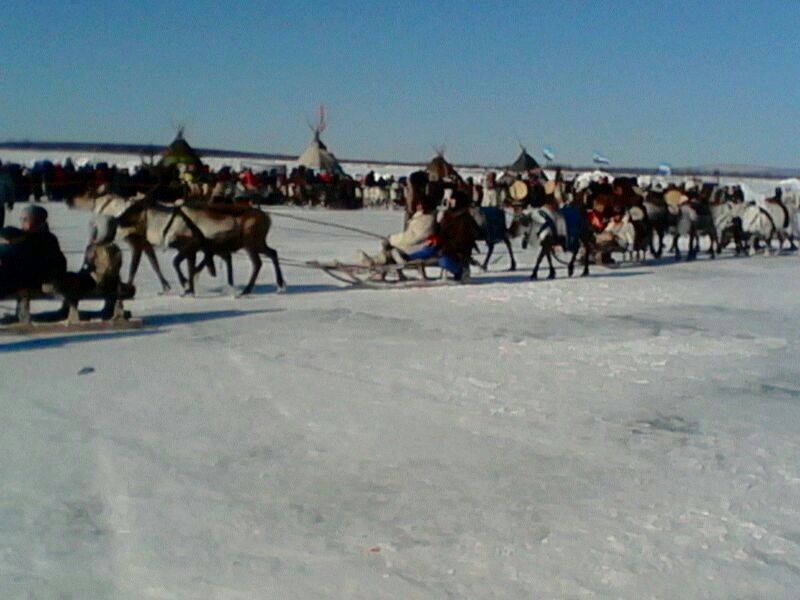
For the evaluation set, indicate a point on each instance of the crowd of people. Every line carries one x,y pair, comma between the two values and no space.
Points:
46,180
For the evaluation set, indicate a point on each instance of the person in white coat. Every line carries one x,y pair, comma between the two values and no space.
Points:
416,235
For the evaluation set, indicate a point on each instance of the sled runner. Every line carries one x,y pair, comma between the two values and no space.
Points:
408,275
68,318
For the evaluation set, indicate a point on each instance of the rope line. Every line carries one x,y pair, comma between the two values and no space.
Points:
325,223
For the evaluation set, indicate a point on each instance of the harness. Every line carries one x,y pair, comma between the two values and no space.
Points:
170,221
765,212
196,231
786,219
105,205
548,225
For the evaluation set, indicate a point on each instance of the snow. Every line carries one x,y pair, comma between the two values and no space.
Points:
628,435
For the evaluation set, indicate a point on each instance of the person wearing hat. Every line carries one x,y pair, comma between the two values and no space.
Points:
29,256
416,189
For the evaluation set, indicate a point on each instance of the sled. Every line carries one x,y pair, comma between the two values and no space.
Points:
61,327
407,275
69,318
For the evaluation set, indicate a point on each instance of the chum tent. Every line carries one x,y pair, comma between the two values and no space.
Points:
525,163
318,158
440,170
179,152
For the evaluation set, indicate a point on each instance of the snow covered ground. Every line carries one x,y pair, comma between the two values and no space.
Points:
633,434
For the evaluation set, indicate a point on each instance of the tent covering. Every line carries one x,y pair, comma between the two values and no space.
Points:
179,152
524,163
317,157
441,170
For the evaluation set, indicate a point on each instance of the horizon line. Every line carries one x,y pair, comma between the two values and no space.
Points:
721,169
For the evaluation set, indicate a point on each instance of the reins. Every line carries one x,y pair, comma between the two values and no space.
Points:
326,224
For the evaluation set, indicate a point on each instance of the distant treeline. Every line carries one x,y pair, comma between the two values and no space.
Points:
151,150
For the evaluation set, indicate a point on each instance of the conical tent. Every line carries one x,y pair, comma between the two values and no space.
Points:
441,170
524,163
317,157
179,152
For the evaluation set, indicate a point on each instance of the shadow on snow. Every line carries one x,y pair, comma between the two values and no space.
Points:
153,325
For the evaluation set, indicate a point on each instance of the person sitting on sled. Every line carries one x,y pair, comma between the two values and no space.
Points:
29,256
618,233
454,239
419,228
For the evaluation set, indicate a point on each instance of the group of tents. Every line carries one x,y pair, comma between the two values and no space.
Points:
318,158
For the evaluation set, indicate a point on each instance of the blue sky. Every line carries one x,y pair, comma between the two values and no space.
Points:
683,82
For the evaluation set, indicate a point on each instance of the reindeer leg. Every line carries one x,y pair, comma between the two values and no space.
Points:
507,242
552,273
586,253
208,263
652,243
229,266
489,250
535,273
273,256
176,263
191,256
675,249
151,256
136,257
255,259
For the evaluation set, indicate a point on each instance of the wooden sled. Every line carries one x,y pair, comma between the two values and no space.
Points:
69,318
383,276
61,327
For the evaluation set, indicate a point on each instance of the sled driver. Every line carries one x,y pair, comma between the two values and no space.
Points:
30,255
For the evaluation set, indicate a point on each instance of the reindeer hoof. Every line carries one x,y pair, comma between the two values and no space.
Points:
570,270
281,289
534,276
551,276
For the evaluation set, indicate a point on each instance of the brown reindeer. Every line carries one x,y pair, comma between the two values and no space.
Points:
214,229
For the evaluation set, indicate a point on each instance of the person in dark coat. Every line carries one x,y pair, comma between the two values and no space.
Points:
454,239
29,256
7,193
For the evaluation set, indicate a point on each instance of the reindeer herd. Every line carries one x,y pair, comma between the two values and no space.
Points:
572,218
633,222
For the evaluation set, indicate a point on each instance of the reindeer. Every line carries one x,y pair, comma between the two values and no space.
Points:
558,223
695,218
215,229
491,222
103,203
